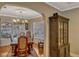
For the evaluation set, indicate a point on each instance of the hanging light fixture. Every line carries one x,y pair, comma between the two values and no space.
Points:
23,20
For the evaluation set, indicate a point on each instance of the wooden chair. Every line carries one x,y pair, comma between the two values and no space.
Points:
22,47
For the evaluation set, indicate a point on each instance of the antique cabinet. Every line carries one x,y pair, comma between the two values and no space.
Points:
58,36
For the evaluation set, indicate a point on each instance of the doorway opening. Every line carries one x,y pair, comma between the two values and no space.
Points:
21,32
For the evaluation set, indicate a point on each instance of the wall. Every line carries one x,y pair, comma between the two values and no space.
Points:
46,11
73,30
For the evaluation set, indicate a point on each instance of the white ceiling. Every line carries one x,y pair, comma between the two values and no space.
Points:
18,12
64,6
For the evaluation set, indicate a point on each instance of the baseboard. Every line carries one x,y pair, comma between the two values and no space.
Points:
74,55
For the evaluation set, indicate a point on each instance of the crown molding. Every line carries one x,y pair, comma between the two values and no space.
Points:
65,9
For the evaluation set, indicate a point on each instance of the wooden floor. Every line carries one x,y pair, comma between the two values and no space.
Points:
5,50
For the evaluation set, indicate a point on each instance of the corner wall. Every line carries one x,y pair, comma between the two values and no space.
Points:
73,15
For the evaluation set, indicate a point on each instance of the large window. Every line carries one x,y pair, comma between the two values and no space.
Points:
38,30
11,30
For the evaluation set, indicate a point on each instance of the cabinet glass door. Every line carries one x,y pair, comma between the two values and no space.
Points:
65,32
61,33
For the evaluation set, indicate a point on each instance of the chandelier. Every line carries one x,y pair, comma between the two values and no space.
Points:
20,19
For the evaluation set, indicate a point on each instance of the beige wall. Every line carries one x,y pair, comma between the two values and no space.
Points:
73,30
46,11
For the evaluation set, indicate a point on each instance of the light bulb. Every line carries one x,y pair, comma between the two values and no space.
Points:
26,21
14,20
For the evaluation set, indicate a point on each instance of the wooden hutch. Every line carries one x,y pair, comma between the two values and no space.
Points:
59,36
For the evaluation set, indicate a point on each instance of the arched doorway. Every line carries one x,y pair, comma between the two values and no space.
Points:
21,16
